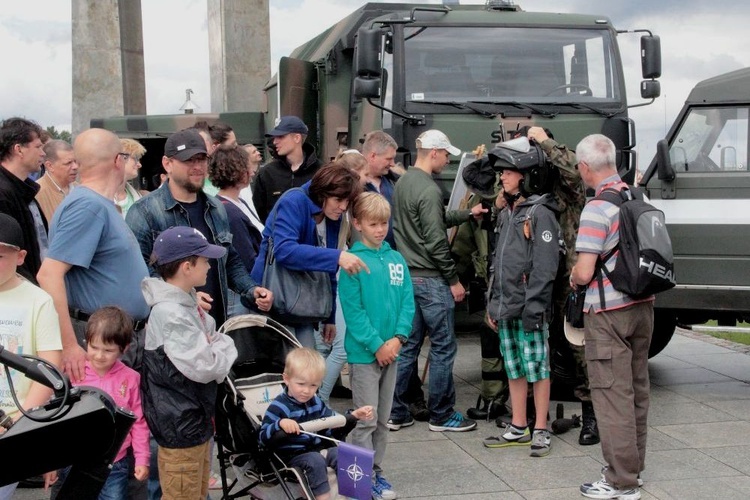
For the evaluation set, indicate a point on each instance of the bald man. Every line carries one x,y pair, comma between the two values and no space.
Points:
93,259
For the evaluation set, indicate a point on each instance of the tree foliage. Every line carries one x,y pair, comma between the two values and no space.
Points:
63,135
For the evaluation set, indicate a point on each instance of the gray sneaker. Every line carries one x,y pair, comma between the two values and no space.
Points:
540,443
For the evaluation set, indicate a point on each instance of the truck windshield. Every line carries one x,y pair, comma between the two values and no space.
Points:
491,64
712,139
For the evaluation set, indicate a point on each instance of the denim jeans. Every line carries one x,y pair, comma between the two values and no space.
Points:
234,306
434,316
335,354
304,333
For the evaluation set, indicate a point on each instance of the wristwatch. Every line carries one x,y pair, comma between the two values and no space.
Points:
400,338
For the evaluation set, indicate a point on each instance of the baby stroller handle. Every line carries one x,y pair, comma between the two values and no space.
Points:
320,424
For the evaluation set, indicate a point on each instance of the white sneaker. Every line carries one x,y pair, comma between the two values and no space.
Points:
603,490
605,467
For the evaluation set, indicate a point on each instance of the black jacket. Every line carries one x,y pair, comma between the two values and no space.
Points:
276,177
15,196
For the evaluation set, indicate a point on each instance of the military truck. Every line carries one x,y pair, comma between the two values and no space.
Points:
700,178
473,71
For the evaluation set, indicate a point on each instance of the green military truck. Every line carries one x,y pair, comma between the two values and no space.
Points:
472,71
700,178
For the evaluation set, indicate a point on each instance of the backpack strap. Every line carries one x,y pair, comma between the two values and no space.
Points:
616,197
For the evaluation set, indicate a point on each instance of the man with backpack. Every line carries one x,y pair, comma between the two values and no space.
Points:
618,329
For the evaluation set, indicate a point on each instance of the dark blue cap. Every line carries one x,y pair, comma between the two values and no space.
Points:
183,241
288,125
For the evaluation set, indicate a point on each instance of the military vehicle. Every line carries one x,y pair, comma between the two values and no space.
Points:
700,178
472,71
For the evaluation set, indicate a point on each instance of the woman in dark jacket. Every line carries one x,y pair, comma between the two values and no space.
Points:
231,171
305,225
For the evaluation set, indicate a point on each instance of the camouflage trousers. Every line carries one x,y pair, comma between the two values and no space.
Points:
494,385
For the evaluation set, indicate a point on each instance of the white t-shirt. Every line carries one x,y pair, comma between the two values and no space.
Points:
28,325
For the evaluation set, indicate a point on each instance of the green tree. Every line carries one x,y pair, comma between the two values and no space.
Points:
63,135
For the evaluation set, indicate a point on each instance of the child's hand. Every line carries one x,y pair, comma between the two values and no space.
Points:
141,472
204,300
50,478
364,413
387,353
289,426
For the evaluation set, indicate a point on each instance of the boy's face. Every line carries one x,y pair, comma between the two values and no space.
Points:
373,231
102,356
301,387
198,273
511,180
10,259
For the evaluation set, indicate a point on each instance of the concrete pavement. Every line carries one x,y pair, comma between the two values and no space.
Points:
698,443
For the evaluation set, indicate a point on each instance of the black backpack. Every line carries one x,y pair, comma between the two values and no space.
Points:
645,264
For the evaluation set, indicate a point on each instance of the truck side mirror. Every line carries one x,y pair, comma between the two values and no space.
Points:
650,89
664,168
650,56
367,81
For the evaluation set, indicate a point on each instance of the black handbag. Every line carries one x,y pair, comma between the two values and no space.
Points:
574,307
299,297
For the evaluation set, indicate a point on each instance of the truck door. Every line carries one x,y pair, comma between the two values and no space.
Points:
707,209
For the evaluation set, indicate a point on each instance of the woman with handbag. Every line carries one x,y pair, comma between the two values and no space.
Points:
299,254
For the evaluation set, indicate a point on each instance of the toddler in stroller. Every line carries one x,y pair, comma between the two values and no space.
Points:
264,466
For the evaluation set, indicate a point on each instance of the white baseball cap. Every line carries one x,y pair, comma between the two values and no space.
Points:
575,336
435,139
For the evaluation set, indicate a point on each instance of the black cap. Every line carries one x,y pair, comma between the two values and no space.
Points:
288,125
10,232
185,144
179,242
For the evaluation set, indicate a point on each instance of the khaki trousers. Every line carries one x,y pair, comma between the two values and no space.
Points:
183,472
617,344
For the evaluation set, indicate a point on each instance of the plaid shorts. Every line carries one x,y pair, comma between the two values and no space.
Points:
526,354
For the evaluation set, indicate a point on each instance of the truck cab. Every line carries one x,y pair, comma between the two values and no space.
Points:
700,179
475,72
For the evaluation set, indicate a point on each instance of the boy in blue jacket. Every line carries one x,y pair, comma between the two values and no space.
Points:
378,308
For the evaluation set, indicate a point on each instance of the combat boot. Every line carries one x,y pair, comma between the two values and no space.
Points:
589,430
487,409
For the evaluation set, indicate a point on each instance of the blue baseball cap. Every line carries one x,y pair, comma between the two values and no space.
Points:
183,241
288,125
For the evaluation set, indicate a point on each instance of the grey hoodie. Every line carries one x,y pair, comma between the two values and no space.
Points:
183,361
190,339
525,265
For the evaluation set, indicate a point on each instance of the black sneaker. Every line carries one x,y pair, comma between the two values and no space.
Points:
396,424
419,411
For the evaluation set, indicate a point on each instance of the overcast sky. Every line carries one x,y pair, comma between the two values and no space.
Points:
699,40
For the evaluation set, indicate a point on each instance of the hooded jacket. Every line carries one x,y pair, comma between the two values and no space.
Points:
184,359
276,177
525,262
377,306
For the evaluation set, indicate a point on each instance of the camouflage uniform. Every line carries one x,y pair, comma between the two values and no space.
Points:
471,250
570,195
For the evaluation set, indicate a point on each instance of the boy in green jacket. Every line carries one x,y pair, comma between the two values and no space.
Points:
378,308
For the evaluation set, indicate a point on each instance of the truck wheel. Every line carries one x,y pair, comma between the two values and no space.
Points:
665,323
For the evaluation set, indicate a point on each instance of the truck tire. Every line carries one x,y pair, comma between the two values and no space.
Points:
665,322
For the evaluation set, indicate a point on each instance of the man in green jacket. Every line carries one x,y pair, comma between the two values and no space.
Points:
420,225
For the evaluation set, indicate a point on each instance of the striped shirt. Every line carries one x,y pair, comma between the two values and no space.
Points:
599,234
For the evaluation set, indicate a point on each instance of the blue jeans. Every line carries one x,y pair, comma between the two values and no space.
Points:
434,316
116,485
304,333
234,306
335,354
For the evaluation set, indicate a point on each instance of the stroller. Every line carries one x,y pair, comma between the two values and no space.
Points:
253,383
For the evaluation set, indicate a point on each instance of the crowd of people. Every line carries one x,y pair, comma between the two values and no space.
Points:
123,290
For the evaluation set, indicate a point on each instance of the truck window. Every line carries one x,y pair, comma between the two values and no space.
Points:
542,65
712,140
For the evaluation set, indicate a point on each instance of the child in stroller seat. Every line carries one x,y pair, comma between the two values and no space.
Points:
299,403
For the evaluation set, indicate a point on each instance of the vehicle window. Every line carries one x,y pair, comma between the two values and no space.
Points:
535,65
712,140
